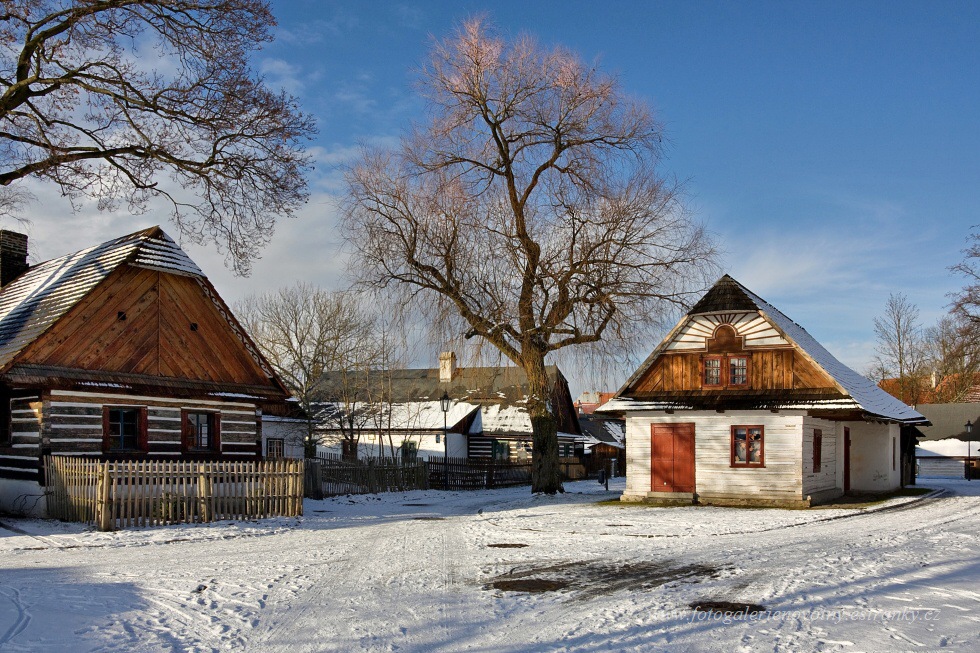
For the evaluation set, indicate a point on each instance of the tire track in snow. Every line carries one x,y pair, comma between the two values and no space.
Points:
21,621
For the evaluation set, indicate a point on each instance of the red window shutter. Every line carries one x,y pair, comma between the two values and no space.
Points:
185,432
817,449
216,433
144,436
105,429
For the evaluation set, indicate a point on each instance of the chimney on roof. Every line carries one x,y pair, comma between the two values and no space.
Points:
447,366
13,255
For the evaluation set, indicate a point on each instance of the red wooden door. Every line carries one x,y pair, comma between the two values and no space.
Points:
847,460
672,458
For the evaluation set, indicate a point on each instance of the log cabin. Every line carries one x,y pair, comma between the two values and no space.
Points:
123,350
739,405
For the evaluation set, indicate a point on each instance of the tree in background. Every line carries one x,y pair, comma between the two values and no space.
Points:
953,353
528,211
900,353
129,100
304,332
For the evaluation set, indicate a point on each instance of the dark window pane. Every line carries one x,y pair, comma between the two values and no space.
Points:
712,372
124,429
738,372
200,430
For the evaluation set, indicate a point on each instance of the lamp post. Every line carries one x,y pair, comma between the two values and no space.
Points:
444,404
969,430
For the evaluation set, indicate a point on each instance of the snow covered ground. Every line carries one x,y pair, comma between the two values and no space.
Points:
431,571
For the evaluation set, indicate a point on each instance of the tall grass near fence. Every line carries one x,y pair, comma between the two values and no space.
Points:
155,492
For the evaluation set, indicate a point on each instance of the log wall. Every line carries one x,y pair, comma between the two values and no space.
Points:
72,423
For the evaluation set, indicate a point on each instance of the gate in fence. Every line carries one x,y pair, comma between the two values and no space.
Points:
155,492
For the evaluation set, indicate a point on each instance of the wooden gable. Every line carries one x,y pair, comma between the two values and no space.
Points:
148,322
773,362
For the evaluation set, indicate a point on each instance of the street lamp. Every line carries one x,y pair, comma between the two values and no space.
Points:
444,404
969,430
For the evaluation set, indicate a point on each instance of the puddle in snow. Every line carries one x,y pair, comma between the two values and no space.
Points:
591,578
727,607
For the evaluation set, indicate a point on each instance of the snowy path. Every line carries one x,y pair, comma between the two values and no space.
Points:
414,572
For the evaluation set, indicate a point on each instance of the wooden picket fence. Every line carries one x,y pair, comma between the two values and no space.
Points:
156,492
328,475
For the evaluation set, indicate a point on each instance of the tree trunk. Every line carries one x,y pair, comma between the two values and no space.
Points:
545,472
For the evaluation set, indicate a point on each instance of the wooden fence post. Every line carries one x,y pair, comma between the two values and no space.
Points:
103,506
204,493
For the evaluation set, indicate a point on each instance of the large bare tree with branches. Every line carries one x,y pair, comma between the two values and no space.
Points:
527,211
305,332
130,100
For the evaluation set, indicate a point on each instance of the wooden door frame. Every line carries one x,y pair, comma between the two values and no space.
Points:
847,459
673,426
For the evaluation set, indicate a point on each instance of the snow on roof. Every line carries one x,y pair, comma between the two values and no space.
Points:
427,416
948,448
865,392
41,296
729,295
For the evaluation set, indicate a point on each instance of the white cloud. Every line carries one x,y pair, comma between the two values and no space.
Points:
282,74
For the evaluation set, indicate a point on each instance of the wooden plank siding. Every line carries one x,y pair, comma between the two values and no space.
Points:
72,423
780,480
768,369
827,479
20,459
171,328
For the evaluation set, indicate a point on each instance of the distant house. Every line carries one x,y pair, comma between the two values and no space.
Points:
487,414
285,428
123,350
603,440
945,447
740,405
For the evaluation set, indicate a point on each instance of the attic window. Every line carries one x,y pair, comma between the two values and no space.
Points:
726,371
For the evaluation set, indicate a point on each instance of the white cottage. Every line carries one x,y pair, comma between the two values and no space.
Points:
740,405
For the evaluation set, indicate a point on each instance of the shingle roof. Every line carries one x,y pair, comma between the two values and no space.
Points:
729,295
41,296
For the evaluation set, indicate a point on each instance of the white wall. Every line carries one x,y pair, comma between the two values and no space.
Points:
872,468
780,480
20,497
831,476
292,431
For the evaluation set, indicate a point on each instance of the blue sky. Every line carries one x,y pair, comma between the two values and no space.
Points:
832,147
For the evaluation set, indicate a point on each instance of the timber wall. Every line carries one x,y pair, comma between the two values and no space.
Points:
72,423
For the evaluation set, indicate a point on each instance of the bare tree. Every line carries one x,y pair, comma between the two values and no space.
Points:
953,354
129,100
527,211
900,353
304,332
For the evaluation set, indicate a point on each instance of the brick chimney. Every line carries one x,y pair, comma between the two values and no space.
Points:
447,366
13,256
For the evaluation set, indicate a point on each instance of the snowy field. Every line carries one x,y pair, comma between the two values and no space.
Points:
430,571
